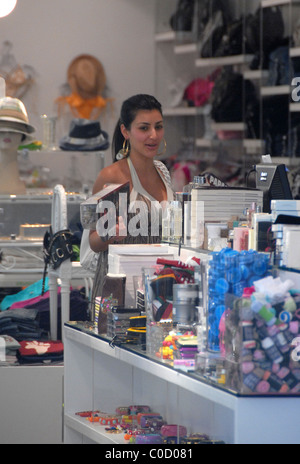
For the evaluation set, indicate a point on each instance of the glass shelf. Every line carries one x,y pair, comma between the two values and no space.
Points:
137,356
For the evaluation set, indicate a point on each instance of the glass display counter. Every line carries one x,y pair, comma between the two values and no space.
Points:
108,376
243,336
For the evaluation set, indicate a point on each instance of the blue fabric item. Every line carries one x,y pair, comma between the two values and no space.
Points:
32,291
280,67
21,324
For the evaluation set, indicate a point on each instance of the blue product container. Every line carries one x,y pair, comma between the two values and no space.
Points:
230,272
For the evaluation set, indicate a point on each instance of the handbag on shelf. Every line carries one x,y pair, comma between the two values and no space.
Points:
264,31
57,248
198,92
231,96
232,42
183,18
213,18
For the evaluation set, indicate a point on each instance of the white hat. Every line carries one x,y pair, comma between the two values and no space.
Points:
14,117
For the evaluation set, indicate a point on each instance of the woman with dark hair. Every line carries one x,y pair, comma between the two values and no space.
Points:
137,140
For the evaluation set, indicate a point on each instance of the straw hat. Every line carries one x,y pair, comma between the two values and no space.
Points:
86,76
14,117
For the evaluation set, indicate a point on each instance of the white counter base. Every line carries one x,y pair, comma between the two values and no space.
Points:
98,376
31,405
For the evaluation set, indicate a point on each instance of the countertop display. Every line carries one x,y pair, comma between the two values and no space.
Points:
108,376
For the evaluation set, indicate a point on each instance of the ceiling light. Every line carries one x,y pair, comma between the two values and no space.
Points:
6,7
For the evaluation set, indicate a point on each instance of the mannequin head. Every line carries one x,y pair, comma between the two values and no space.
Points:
10,141
14,130
10,182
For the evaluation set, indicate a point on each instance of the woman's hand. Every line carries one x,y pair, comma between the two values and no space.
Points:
121,231
97,244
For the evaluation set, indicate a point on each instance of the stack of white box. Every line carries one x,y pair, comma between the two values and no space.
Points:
287,236
287,253
285,207
211,204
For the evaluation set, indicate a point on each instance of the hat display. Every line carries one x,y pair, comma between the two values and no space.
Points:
86,84
18,79
14,117
86,76
85,135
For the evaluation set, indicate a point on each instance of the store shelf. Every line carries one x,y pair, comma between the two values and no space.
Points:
224,60
294,52
294,107
185,48
183,60
275,90
216,143
168,36
255,74
183,111
285,160
253,145
94,431
228,126
118,375
271,3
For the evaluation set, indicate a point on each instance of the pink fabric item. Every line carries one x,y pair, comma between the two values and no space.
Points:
31,301
230,135
198,91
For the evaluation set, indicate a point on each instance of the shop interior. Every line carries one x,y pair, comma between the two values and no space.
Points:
195,339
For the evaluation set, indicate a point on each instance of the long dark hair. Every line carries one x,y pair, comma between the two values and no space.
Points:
129,110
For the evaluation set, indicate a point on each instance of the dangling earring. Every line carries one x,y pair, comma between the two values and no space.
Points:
123,153
164,149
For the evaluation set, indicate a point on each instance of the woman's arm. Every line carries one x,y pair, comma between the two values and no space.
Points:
108,175
98,245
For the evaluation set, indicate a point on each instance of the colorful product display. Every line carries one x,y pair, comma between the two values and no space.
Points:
262,340
139,425
229,273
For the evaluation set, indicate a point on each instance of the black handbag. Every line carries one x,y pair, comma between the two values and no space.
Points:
231,96
57,248
264,31
213,18
232,40
183,18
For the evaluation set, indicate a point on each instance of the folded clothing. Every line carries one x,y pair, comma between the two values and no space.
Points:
32,291
79,307
21,324
11,345
32,301
40,352
37,310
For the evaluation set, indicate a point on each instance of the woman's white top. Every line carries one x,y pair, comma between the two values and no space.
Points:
137,188
139,198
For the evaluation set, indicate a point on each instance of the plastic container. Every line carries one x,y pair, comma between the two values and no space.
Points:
260,349
185,300
230,272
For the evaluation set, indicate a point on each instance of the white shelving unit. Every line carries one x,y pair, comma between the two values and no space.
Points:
98,376
177,60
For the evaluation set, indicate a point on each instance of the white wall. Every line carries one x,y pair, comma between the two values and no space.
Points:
48,34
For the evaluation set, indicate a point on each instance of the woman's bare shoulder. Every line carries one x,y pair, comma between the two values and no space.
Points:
116,173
